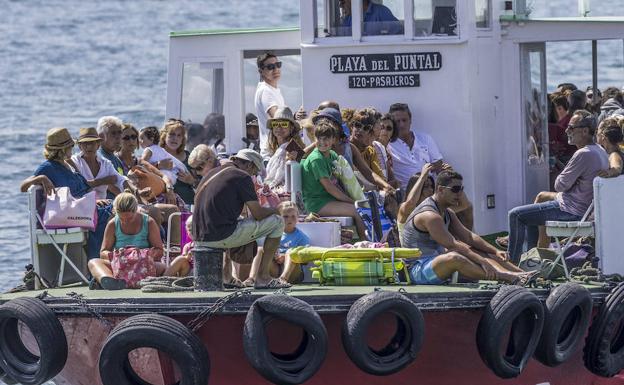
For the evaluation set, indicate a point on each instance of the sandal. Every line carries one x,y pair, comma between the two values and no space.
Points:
502,242
525,280
275,283
110,283
234,283
249,282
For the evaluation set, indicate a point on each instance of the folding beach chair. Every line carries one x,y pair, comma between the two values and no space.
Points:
51,249
569,230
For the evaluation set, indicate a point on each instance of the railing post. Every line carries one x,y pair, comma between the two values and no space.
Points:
208,268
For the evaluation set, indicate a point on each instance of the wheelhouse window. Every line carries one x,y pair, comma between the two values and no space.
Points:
483,11
435,18
378,17
202,102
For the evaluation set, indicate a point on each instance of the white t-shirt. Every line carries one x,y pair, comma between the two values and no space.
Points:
408,161
106,169
266,98
160,154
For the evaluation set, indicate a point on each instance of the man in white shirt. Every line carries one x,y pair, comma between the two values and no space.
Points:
412,150
268,97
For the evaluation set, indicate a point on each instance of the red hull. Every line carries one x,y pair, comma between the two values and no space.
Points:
449,356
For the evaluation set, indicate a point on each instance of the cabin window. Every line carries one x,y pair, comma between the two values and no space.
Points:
202,100
383,18
435,18
483,12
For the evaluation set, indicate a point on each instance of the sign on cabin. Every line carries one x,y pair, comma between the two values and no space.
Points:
391,62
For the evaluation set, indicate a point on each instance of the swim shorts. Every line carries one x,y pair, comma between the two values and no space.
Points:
421,272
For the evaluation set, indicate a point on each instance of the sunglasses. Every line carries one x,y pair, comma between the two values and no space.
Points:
360,126
272,66
200,168
572,127
129,137
280,124
455,189
387,127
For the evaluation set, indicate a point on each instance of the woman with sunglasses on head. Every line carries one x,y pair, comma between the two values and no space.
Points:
173,140
129,144
268,96
284,138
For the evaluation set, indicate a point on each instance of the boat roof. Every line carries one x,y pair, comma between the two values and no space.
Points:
229,31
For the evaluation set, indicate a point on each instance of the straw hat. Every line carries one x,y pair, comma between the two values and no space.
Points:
284,113
58,138
88,134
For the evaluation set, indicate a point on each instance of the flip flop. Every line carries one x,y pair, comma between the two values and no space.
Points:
502,242
526,279
275,283
234,283
249,282
110,283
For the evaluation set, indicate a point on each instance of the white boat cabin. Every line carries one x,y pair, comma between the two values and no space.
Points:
472,72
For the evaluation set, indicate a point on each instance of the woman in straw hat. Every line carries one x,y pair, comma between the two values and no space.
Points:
99,172
284,129
59,171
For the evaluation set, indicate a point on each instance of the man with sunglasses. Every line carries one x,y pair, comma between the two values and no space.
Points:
447,246
573,188
268,96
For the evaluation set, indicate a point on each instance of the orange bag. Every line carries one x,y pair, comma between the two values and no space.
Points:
147,176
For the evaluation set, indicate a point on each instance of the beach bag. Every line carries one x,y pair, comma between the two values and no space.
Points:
356,272
266,196
132,265
540,259
344,173
63,211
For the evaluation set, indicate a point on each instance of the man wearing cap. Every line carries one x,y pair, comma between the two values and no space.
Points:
252,138
98,171
219,202
109,129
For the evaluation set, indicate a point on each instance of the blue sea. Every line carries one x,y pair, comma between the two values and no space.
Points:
68,62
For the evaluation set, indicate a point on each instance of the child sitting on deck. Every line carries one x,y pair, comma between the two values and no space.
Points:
281,265
321,194
182,264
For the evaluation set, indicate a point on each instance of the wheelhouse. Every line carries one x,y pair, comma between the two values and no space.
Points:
474,74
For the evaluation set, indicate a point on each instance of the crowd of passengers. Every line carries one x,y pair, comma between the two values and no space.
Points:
240,200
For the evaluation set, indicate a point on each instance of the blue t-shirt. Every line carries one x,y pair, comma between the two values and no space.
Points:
61,176
294,239
113,159
378,20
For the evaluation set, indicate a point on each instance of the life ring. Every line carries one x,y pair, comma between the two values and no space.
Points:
604,346
404,345
20,364
515,317
566,318
158,332
294,368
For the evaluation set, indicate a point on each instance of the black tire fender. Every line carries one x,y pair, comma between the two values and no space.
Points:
514,316
158,332
17,362
566,318
404,345
294,368
604,347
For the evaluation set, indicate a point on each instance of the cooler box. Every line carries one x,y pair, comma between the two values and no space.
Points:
322,234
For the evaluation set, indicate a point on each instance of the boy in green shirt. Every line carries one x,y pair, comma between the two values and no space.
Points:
321,193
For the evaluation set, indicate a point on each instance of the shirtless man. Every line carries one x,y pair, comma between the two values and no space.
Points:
447,246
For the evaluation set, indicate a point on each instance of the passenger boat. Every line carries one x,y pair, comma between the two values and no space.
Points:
474,75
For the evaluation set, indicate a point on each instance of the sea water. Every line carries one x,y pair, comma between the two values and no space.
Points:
68,62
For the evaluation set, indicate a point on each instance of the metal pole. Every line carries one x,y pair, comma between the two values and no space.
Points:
208,268
594,69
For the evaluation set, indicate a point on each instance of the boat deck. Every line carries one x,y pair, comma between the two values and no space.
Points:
79,300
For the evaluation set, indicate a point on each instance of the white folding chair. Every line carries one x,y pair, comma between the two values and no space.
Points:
40,237
563,229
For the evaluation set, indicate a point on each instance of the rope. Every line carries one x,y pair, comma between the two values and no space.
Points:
166,284
592,275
